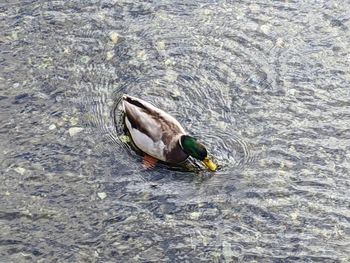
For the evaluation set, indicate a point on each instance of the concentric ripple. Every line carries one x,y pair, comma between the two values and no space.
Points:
176,74
186,70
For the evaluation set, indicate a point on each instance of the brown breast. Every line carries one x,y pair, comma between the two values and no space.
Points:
176,154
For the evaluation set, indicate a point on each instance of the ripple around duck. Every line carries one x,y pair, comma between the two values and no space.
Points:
102,94
99,101
195,70
210,72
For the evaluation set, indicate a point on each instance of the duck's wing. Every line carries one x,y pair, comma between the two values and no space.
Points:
152,130
141,118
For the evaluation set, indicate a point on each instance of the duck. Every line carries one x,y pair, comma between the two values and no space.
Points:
159,135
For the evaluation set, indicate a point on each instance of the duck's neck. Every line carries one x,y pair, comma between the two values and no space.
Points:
188,144
180,141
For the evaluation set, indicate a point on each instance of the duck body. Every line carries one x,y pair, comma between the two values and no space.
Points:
154,131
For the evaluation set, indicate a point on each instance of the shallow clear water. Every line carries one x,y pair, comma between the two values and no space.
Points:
265,84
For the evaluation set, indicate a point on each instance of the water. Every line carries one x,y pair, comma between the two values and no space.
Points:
265,84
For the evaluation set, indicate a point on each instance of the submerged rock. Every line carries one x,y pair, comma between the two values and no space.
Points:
52,127
102,195
75,130
20,170
195,215
125,138
114,37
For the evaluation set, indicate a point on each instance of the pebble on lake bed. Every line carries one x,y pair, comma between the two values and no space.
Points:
20,170
114,37
265,28
142,55
73,121
175,93
195,215
125,138
74,131
109,55
161,45
102,195
52,127
171,75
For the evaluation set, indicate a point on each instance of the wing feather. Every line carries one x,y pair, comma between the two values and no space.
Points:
153,130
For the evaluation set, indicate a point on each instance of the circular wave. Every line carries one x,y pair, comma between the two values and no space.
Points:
203,71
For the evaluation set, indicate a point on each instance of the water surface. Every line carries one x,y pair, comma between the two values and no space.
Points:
265,84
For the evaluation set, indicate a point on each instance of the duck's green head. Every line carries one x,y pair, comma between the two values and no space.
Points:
196,150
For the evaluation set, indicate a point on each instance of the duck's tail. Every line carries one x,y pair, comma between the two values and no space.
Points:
134,101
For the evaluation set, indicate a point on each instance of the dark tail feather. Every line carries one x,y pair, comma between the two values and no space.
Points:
134,102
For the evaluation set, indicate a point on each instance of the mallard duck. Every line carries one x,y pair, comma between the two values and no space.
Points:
160,135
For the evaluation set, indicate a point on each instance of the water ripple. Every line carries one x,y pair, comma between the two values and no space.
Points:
263,84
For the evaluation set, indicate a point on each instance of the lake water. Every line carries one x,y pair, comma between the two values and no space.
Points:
266,86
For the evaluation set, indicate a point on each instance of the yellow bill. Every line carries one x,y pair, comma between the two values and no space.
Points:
209,164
